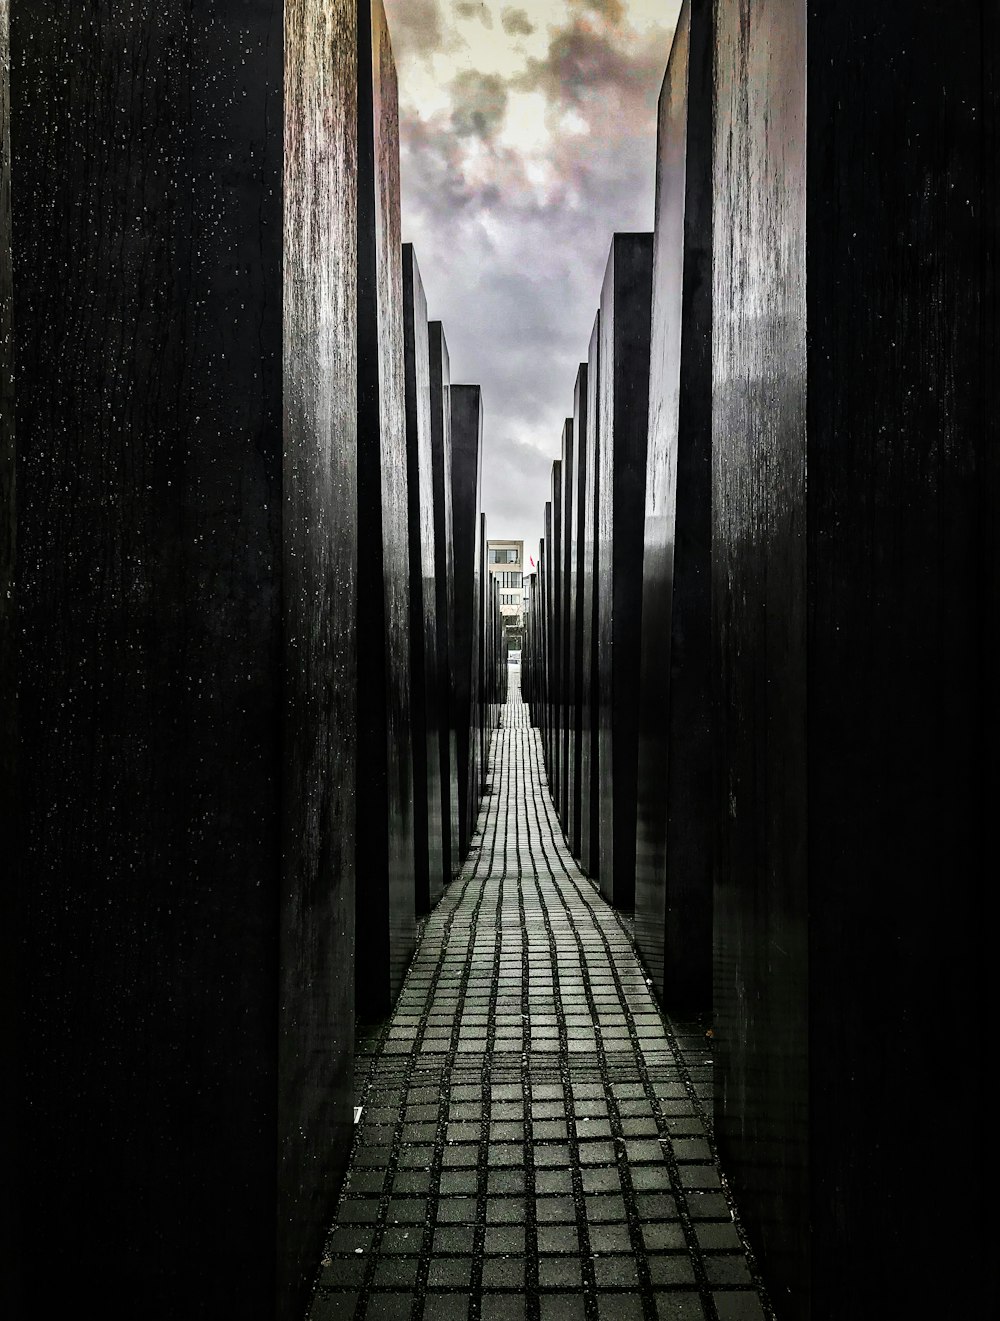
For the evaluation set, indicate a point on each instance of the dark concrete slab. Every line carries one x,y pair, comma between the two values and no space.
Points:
545,557
9,1211
466,482
444,581
556,564
575,617
386,930
673,884
590,818
854,278
187,520
623,394
425,680
480,713
565,625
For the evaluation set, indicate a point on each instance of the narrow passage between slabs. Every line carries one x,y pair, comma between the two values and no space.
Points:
534,1139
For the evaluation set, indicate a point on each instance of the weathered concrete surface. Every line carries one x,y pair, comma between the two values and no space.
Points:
386,930
466,484
855,617
623,395
185,295
444,581
9,1210
429,723
578,497
565,693
590,819
556,563
673,884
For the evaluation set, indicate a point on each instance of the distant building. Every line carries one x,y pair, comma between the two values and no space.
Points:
506,564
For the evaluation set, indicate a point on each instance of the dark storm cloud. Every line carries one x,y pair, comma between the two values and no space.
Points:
470,9
585,63
478,104
516,23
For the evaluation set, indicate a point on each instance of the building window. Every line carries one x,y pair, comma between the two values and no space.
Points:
509,578
503,556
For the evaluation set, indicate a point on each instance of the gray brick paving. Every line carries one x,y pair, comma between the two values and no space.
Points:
535,1139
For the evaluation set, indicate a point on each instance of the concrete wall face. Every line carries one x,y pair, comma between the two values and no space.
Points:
187,526
623,394
555,563
385,886
444,573
320,547
565,687
9,1209
428,725
575,667
673,902
865,602
466,461
590,821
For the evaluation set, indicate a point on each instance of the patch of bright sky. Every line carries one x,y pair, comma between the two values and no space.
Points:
504,310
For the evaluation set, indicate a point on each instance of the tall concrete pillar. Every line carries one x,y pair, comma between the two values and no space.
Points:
466,484
855,488
575,619
444,581
545,560
590,817
484,596
555,629
565,624
673,899
386,888
184,274
9,1209
429,724
623,393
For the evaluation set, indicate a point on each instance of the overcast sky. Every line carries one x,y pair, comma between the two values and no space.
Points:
528,138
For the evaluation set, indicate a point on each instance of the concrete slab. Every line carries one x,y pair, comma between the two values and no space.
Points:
386,887
675,813
623,394
429,723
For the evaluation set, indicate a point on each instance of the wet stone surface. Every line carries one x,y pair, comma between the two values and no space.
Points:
535,1138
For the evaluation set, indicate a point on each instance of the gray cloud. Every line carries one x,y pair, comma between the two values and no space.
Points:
471,9
583,63
416,26
479,103
514,269
516,23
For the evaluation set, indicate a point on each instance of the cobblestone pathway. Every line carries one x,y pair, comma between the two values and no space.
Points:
534,1137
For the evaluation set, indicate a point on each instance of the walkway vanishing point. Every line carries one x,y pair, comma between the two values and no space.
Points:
534,1140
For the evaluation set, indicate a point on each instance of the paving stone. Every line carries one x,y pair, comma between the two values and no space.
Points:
615,1273
389,1307
674,1268
620,1307
503,1307
549,1210
558,1238
561,1307
503,1273
679,1307
521,970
